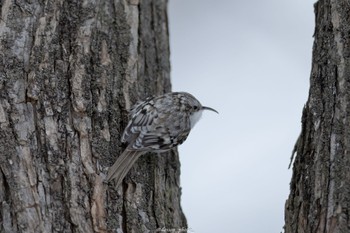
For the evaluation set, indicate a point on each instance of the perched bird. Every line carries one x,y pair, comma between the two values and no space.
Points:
157,124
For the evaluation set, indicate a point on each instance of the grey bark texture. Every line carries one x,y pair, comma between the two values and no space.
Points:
69,70
319,199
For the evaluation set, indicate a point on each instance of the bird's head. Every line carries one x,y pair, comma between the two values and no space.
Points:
195,108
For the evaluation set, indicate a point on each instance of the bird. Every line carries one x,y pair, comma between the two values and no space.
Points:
156,124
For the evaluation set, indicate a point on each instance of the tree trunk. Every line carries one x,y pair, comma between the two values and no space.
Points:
319,199
69,70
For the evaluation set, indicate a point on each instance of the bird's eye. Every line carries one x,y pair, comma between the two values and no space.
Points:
195,107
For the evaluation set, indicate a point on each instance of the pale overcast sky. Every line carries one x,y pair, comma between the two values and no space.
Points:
250,60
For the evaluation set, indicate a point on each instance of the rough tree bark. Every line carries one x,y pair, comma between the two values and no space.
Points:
69,70
319,199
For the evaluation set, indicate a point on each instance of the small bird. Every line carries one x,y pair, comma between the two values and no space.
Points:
157,124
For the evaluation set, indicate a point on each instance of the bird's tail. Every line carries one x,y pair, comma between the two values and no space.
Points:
122,166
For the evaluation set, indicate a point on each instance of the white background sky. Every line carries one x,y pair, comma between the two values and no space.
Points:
250,60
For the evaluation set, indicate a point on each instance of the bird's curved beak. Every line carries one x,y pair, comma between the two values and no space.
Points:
208,108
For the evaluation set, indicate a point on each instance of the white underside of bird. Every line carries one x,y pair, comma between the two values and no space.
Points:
195,117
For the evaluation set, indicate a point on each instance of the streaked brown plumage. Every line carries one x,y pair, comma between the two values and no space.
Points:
157,124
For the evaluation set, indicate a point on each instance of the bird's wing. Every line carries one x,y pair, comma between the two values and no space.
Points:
163,132
156,125
160,140
141,119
